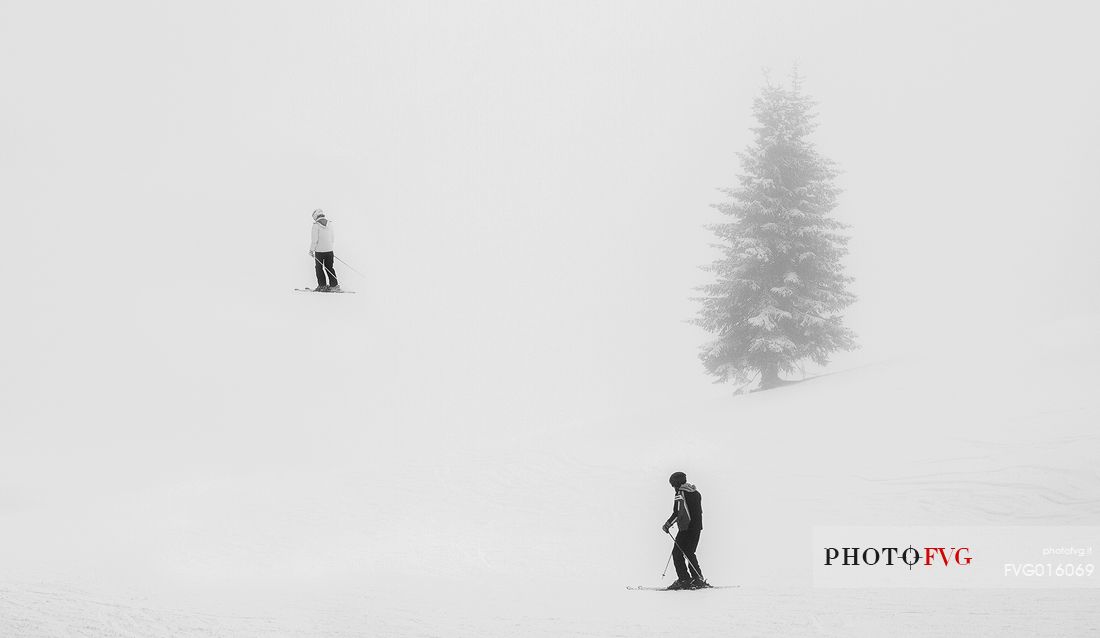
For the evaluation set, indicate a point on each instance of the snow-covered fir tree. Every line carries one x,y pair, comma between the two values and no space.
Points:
780,284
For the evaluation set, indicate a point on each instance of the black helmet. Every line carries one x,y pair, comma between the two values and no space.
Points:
677,479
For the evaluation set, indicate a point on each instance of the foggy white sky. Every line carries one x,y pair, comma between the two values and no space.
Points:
543,170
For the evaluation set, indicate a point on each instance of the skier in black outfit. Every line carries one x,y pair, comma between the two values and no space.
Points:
687,513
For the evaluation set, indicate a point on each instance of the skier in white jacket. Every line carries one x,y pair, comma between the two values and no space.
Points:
320,248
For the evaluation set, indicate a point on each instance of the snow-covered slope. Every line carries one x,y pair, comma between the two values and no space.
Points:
200,461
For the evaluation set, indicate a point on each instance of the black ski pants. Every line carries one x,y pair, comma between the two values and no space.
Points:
687,541
323,265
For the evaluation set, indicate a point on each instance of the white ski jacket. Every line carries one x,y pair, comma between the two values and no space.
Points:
323,237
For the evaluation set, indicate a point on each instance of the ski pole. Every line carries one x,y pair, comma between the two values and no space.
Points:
667,563
350,267
690,564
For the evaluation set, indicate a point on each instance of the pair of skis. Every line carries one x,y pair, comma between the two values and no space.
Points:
647,588
346,292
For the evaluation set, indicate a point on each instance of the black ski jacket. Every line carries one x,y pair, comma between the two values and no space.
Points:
687,509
